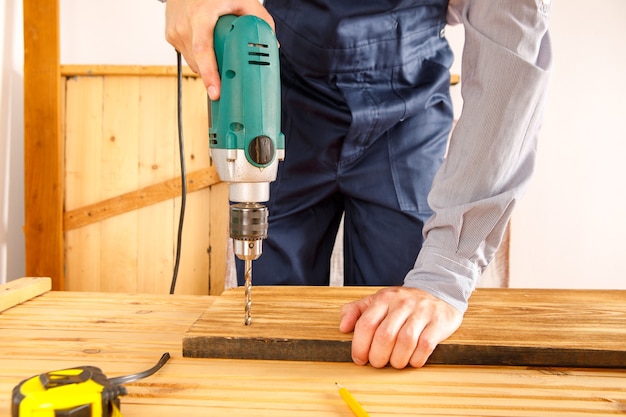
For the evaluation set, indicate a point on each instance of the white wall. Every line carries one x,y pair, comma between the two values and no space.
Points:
567,232
11,141
119,32
570,229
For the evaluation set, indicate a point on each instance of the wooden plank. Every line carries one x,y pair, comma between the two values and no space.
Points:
137,199
120,150
22,289
157,163
218,238
193,274
194,265
43,145
124,70
583,328
83,179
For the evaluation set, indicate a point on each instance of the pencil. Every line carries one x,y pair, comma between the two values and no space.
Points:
354,405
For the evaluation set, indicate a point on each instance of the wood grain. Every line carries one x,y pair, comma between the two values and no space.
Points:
194,268
123,186
125,333
22,289
120,174
155,166
219,238
83,179
134,200
501,327
43,144
122,70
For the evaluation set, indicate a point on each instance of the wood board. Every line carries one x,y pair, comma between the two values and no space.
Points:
22,289
528,327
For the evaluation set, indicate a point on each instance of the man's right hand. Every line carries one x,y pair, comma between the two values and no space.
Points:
189,26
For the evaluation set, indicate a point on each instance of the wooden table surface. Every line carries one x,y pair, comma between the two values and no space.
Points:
123,334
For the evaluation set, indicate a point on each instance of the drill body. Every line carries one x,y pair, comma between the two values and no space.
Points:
245,138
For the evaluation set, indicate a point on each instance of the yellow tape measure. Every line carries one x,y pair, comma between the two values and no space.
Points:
84,392
76,392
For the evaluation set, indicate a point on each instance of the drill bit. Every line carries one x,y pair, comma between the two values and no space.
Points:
248,290
248,228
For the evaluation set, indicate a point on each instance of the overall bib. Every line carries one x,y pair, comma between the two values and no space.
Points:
366,117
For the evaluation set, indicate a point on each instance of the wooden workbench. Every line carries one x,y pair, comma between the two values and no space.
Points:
122,334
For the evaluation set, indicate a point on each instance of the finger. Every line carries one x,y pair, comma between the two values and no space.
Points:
178,34
385,337
428,340
437,330
406,342
203,48
351,312
254,7
364,331
204,53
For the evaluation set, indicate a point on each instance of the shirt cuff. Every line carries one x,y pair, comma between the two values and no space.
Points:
445,275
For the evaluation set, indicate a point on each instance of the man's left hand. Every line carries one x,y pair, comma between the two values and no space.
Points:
399,326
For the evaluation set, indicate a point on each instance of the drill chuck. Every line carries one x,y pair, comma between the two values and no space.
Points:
248,227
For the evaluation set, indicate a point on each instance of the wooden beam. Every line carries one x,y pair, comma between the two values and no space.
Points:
124,70
134,200
43,147
23,289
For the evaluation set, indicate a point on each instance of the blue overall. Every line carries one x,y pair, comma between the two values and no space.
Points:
366,117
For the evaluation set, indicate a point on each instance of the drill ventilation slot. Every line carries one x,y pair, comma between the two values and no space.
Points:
258,54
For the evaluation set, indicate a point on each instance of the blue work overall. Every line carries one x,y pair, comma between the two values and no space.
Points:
366,117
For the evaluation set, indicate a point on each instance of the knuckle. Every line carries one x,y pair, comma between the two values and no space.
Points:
367,323
408,336
171,34
199,47
427,344
406,303
385,333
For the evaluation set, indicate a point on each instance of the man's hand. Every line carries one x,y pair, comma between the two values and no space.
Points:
398,326
189,26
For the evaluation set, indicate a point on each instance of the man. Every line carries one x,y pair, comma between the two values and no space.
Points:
366,116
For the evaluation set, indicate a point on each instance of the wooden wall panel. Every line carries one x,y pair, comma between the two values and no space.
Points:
83,126
218,237
119,161
122,147
196,246
158,161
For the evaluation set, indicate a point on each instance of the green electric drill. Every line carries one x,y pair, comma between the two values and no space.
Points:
245,138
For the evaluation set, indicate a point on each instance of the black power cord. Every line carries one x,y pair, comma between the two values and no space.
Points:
183,174
140,375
